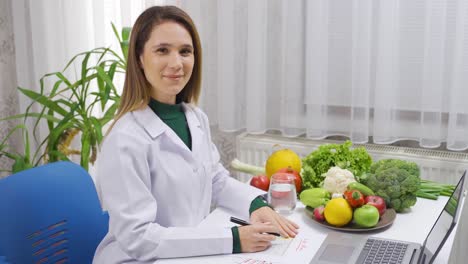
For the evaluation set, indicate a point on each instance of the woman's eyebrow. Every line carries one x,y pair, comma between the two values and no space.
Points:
171,45
187,46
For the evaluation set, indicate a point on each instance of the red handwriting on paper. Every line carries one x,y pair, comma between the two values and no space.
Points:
255,261
302,244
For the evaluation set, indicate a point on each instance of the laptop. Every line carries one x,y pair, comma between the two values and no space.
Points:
345,248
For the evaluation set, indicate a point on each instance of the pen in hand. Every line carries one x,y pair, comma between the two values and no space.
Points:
244,223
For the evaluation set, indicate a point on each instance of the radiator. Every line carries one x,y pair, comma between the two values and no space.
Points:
441,166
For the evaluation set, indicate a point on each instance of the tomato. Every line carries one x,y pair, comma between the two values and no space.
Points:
296,175
260,181
354,197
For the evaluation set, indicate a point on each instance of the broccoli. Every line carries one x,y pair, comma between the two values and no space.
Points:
411,167
396,181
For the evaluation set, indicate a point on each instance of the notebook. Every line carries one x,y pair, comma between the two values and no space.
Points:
346,248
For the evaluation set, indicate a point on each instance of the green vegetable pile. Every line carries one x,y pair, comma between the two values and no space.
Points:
397,181
317,163
432,190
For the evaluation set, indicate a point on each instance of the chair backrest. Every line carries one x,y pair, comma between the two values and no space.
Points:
50,214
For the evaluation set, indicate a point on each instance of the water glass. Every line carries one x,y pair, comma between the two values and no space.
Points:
282,193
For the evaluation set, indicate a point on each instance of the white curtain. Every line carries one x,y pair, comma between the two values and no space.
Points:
392,70
387,69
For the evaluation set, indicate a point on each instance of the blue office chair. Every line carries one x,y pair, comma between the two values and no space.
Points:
50,214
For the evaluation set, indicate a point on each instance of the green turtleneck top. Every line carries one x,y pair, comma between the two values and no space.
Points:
174,117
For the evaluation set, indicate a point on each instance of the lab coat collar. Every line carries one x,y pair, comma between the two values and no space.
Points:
192,119
154,126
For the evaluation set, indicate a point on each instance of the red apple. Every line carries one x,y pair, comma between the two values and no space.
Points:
296,175
378,202
260,181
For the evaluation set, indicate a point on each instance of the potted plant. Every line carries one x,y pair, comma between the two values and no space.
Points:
67,108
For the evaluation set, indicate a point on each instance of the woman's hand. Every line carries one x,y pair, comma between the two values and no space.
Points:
265,214
254,238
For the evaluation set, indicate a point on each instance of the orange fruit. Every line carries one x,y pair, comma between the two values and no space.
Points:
338,212
280,159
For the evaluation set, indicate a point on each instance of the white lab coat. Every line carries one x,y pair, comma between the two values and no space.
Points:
157,190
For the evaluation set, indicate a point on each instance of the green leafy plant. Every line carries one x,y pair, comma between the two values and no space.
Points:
68,108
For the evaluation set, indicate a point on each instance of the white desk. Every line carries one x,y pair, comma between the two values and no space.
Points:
412,226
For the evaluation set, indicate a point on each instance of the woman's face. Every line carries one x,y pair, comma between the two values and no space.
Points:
167,60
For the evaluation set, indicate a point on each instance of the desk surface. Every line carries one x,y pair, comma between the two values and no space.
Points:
412,226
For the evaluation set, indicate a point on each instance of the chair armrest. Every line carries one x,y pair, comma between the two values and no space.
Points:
3,260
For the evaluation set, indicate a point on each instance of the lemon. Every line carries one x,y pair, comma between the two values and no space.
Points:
280,159
338,212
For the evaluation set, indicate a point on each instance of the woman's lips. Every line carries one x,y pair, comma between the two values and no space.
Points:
174,77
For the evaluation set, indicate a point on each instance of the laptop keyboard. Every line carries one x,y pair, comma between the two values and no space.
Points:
382,251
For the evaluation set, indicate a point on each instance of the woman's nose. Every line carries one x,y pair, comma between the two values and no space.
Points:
175,61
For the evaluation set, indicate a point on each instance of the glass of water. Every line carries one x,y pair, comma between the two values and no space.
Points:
282,193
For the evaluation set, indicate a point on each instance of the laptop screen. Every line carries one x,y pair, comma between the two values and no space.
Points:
444,223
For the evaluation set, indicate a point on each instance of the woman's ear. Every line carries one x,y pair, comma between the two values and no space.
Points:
140,62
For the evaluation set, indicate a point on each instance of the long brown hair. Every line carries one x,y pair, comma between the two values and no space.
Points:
137,90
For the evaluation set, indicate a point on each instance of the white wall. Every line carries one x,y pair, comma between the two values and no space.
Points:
8,93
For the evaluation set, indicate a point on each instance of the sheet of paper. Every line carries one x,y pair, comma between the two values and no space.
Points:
300,249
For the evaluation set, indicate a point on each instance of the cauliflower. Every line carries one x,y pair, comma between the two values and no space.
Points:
337,179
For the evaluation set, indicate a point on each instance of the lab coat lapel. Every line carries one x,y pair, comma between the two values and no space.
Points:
196,131
150,122
199,153
154,127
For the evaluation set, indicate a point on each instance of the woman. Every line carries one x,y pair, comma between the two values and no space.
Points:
158,171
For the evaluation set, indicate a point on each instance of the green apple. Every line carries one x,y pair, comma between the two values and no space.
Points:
366,216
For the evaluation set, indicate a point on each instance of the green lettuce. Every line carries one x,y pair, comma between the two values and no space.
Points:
317,163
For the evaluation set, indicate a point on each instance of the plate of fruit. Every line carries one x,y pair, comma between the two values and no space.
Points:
353,211
385,220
